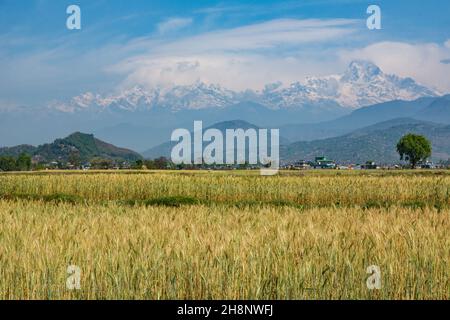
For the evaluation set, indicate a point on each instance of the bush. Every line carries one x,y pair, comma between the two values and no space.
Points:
172,201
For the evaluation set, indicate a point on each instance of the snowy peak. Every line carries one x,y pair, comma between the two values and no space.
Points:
363,83
361,71
197,96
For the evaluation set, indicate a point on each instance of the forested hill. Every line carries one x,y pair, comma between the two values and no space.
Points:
80,145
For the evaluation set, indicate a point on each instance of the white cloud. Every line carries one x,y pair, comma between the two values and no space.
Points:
246,57
422,62
265,35
233,71
174,24
243,57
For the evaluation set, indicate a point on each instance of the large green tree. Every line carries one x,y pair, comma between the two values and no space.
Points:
7,164
414,148
23,162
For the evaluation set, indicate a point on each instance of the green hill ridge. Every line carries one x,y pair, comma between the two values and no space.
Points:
85,146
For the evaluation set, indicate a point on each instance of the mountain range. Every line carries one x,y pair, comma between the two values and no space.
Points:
352,117
362,84
140,118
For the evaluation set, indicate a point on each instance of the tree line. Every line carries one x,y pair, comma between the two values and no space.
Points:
412,148
21,163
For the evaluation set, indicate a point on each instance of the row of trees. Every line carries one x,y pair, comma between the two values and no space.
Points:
21,163
155,164
164,163
411,147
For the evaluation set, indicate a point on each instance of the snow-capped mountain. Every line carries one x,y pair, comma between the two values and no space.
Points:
362,84
196,96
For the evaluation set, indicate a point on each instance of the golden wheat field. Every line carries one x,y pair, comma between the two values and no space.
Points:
225,235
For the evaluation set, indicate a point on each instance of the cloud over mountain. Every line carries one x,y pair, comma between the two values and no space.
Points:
363,83
421,61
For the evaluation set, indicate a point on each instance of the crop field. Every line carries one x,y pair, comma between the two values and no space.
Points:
225,235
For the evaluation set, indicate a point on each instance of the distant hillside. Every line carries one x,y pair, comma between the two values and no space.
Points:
86,146
376,142
16,151
294,124
164,150
426,109
437,111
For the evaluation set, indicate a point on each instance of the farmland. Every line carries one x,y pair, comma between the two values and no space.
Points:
225,235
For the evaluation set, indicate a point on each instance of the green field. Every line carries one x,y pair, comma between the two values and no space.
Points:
225,235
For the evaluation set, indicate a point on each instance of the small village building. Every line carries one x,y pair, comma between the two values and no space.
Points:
324,163
301,165
369,165
427,165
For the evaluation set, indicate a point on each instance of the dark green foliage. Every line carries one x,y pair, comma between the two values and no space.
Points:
371,204
55,198
21,163
139,164
414,148
179,201
64,198
172,201
101,164
155,164
417,204
159,163
7,163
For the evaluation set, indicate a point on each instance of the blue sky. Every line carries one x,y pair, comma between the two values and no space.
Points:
238,44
